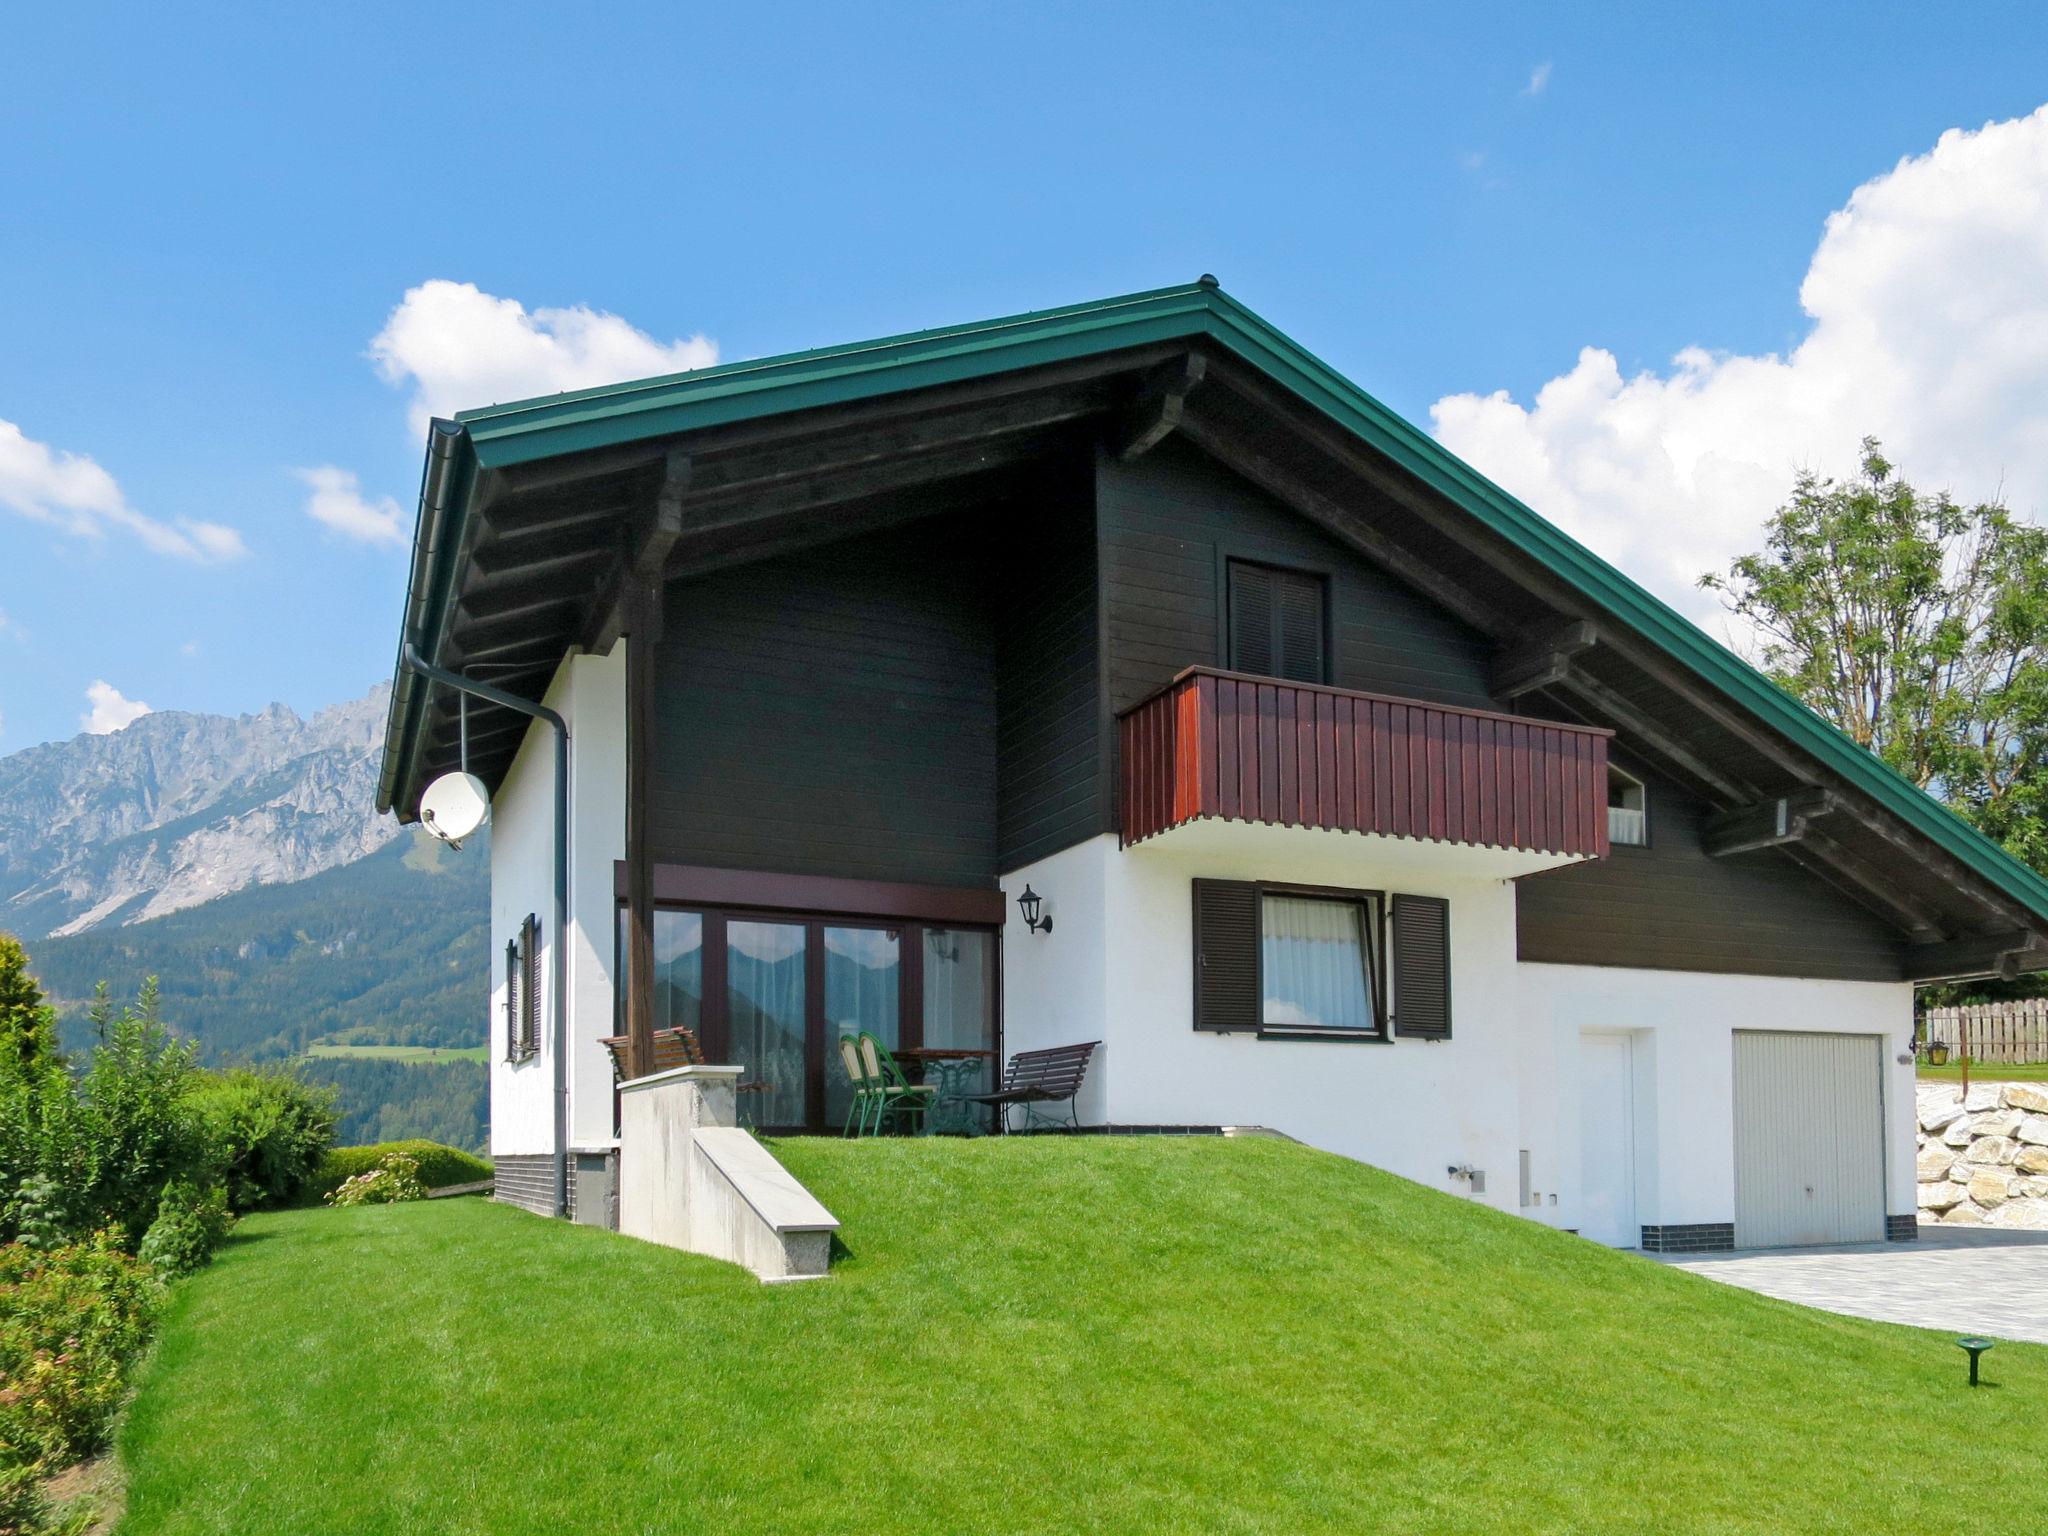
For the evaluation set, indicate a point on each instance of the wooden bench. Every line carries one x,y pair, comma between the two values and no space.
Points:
675,1047
1041,1077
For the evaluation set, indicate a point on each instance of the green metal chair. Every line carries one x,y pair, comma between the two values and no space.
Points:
890,1093
863,1087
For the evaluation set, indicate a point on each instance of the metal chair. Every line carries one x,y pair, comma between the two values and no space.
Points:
890,1093
863,1087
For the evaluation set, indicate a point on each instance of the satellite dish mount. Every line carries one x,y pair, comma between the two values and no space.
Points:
456,804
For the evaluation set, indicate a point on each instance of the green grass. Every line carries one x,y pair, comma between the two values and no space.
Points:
1985,1072
401,1052
1128,1335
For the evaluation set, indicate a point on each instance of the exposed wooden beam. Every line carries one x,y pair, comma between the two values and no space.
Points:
521,600
1339,521
506,649
2003,955
1161,402
1540,661
570,469
640,561
737,515
537,518
1653,738
1852,873
1767,823
564,547
747,474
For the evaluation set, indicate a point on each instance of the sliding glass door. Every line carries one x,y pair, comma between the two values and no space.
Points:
767,1019
771,993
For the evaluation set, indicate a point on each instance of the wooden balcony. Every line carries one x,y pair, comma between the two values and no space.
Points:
1220,744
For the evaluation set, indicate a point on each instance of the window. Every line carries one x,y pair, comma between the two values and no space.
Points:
522,992
1628,824
1306,963
771,991
1316,963
1277,622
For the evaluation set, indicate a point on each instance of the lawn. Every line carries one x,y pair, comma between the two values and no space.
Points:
1984,1072
402,1052
1129,1335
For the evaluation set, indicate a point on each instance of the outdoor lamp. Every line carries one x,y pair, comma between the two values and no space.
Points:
1029,904
1937,1052
1974,1347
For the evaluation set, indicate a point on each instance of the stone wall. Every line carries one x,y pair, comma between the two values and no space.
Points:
1984,1160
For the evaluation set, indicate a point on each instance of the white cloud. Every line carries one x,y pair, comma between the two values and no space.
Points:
337,500
1928,297
1539,77
461,348
110,710
12,629
72,492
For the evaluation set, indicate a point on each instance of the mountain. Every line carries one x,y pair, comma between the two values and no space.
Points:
241,862
177,809
389,950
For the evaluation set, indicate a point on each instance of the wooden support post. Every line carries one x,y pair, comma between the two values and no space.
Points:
639,608
643,609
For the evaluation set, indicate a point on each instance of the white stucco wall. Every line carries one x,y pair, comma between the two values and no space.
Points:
1683,1023
1415,1107
1118,966
589,692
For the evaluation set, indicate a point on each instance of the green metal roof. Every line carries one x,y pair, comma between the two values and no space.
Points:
523,431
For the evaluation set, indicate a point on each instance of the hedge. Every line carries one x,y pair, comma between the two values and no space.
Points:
439,1166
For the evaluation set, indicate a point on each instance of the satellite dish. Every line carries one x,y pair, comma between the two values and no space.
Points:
454,806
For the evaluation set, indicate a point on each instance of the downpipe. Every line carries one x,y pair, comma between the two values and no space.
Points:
414,662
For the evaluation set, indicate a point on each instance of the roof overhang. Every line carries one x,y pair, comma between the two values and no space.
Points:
530,511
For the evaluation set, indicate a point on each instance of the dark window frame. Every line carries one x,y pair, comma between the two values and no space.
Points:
1376,904
1226,653
820,1053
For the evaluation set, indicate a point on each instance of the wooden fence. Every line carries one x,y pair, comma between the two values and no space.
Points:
2007,1033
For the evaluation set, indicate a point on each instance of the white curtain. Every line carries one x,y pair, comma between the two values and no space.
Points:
1316,964
765,995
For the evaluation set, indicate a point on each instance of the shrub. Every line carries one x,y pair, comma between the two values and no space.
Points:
439,1166
271,1128
395,1178
71,1320
140,1129
190,1223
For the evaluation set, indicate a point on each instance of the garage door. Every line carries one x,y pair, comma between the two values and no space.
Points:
1809,1139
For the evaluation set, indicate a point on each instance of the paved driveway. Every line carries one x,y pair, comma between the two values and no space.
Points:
1960,1280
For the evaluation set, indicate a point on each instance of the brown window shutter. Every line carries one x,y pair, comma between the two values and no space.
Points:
512,969
529,987
1299,630
1226,955
1251,619
1422,967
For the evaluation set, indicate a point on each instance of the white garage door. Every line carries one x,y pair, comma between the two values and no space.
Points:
1809,1139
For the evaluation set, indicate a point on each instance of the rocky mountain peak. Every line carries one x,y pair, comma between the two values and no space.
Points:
179,807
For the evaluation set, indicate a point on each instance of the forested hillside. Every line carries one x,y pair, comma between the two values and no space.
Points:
388,950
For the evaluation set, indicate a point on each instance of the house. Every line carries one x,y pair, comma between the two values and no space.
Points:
1356,800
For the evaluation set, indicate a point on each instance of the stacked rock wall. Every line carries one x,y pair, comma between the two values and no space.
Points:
1984,1159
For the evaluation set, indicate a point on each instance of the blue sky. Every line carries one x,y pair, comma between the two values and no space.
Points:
204,224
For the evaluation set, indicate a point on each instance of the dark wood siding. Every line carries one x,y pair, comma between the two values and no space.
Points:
834,712
1168,523
1670,907
1048,677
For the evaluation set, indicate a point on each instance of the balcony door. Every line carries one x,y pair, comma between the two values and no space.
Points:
771,993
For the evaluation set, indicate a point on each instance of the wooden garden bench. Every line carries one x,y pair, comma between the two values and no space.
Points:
1041,1077
676,1047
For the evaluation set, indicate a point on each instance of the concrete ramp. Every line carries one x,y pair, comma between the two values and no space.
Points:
690,1178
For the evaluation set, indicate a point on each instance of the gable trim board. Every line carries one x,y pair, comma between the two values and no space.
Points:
487,444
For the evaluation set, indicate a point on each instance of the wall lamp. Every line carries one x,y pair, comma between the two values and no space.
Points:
1029,904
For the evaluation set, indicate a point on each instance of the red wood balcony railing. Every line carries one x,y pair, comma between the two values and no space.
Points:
1223,744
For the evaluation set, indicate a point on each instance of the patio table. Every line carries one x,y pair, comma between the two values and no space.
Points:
956,1072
